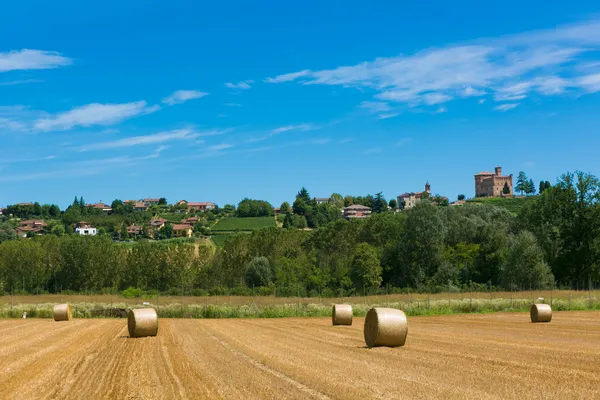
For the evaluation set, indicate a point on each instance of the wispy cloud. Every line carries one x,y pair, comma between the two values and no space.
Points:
162,137
387,116
20,82
287,128
31,59
321,141
232,104
345,140
373,150
509,68
529,164
403,141
93,114
506,107
243,85
181,96
375,106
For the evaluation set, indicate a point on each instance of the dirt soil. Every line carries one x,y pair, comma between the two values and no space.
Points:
495,356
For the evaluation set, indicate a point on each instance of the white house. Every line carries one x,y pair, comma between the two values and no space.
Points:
86,229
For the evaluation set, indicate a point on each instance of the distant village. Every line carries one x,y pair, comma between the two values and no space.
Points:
487,184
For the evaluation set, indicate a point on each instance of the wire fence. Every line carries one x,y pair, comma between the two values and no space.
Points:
185,305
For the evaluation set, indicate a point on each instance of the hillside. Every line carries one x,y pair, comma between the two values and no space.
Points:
513,204
243,224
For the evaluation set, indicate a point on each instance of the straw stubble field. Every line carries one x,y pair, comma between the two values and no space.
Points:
499,356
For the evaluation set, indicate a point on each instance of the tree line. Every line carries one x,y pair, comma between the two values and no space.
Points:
553,241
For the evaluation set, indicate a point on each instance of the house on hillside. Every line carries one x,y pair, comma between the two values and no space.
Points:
2,210
182,230
411,199
357,211
135,230
190,221
321,200
488,184
139,206
26,227
157,223
151,201
197,206
100,206
85,229
24,204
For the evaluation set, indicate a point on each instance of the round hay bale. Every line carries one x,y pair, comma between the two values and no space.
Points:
341,314
62,312
541,313
385,327
142,322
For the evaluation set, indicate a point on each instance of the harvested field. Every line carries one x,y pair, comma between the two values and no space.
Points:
494,356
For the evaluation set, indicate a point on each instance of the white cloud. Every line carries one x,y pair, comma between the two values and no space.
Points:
506,107
345,140
287,128
481,101
162,137
441,110
403,141
510,68
181,96
373,150
244,85
31,59
93,114
388,115
232,104
375,106
20,82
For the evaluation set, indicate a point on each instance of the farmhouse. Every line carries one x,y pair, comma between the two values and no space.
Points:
135,229
489,184
157,223
151,201
33,226
182,230
357,211
100,206
321,200
198,206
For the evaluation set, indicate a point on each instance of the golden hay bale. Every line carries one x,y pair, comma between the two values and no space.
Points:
142,322
341,314
541,313
62,312
385,327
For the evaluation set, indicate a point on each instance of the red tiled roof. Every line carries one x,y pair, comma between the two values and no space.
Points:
485,173
180,227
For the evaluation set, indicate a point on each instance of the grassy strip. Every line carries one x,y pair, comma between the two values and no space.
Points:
243,224
433,307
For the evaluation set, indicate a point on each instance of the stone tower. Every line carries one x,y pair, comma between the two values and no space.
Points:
428,188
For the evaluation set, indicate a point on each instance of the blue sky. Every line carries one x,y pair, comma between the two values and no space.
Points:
216,102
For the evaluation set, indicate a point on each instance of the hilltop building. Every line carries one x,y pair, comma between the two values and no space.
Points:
411,199
488,184
357,211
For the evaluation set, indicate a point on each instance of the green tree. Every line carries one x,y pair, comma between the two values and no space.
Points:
228,209
124,234
285,208
379,204
393,204
54,211
348,201
162,201
366,270
522,183
304,195
530,187
37,209
337,200
168,230
258,272
525,265
461,197
7,232
506,189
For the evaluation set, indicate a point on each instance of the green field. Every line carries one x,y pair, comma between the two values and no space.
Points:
243,224
513,205
219,240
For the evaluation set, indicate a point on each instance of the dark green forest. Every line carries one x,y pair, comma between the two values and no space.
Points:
554,241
